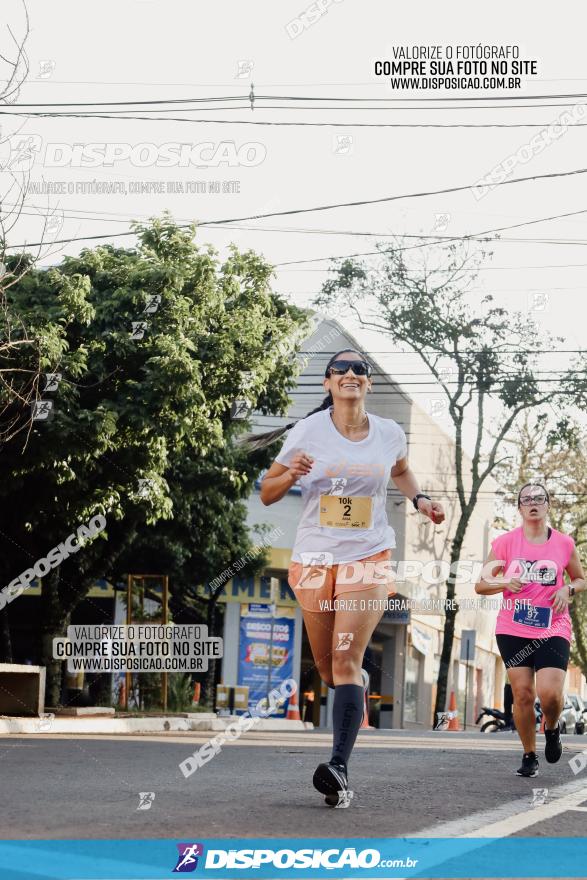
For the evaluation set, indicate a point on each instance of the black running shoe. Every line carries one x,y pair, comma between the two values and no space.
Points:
554,747
529,765
331,780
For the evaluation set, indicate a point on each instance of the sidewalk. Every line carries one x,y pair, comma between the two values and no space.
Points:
85,722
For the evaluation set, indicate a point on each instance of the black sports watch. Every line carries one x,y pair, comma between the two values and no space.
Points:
417,497
572,591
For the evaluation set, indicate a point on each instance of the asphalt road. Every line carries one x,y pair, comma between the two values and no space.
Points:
405,784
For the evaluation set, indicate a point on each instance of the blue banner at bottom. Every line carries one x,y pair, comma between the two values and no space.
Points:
285,858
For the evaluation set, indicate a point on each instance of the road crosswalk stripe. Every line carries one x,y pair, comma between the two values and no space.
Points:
511,817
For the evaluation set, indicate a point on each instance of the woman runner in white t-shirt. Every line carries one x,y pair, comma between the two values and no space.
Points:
340,571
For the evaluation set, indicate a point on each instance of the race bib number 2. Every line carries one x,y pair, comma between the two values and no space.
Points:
346,511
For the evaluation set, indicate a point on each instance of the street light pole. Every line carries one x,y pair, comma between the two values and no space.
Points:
273,595
466,686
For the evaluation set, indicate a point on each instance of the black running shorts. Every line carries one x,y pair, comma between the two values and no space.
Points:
535,653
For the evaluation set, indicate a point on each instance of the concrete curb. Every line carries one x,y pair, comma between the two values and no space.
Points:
196,721
93,725
271,724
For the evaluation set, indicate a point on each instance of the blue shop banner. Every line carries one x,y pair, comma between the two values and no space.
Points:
256,649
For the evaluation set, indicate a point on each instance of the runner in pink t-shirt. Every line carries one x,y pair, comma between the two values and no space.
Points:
540,568
533,629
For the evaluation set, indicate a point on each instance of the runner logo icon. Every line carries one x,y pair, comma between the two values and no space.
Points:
188,857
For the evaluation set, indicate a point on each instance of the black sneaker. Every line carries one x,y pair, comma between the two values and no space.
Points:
529,765
331,780
554,747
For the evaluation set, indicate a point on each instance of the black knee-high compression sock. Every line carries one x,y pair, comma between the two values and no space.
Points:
347,714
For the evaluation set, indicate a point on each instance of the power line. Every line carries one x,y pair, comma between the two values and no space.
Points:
360,203
313,102
431,381
479,269
427,100
446,103
444,109
381,253
468,351
404,109
380,393
436,239
230,83
281,123
395,375
475,236
153,101
244,105
119,114
495,494
574,96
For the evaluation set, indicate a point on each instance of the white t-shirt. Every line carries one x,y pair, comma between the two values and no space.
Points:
343,467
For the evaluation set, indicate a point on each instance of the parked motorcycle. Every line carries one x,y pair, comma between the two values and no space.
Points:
498,720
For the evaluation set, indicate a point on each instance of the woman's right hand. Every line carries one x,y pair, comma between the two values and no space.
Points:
301,464
515,586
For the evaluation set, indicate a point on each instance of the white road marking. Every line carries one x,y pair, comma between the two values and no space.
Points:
301,740
507,819
511,817
420,741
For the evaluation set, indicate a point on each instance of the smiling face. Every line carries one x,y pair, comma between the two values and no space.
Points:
347,386
533,504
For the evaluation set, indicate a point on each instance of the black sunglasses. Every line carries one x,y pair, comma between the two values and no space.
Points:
359,368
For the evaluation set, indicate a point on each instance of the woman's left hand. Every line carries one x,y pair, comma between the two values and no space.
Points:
561,599
432,509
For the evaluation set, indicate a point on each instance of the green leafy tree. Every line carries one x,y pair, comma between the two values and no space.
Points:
31,342
483,358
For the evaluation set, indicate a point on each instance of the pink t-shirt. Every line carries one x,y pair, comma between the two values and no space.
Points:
541,568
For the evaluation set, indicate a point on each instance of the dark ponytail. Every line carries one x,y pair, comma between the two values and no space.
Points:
253,442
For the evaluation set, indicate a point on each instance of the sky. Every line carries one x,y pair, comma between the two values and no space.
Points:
145,50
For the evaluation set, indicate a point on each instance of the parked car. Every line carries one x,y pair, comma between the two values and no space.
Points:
570,720
581,709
